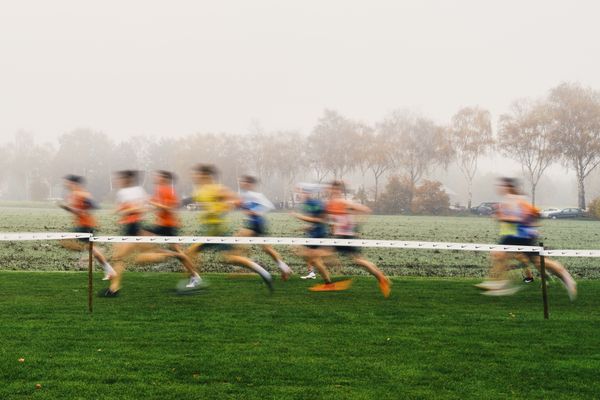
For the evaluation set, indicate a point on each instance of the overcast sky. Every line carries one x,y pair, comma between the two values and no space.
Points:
178,67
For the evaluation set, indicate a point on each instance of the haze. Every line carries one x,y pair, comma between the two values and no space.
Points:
174,68
170,69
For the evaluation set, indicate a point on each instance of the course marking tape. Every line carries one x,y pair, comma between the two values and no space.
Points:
393,244
571,253
23,236
390,244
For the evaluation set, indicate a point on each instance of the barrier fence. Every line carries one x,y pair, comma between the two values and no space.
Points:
388,244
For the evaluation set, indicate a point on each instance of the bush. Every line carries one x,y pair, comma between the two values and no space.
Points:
396,197
594,208
430,198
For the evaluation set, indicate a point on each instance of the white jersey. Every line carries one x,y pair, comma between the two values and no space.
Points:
256,202
132,196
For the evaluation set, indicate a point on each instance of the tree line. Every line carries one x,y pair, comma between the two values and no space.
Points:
400,151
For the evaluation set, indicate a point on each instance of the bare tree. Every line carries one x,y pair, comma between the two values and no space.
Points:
379,154
525,135
471,136
86,153
332,144
289,160
418,144
575,111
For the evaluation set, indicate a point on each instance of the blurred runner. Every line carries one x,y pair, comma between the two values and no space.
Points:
518,227
81,204
165,203
255,206
131,201
215,202
315,216
341,214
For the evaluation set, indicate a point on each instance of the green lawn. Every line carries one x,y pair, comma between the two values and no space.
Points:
433,338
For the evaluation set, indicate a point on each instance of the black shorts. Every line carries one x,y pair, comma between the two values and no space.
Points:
162,230
83,229
132,229
517,241
347,250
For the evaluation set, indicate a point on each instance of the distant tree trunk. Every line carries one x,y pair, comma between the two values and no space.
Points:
533,187
580,190
376,187
470,190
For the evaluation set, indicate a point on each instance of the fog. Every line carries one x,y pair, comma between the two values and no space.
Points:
171,69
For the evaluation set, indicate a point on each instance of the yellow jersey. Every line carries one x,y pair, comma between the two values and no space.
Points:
213,207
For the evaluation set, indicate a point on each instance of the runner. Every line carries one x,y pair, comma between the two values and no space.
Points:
165,203
131,201
314,214
215,202
341,215
80,204
255,205
517,219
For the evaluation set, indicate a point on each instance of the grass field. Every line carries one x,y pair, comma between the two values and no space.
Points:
557,234
432,338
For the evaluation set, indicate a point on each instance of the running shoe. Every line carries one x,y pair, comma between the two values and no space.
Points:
332,286
311,275
109,276
384,286
528,280
492,285
195,281
508,291
108,293
269,282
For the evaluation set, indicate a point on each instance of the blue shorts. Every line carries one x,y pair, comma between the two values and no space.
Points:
257,226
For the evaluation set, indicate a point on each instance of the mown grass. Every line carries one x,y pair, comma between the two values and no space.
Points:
432,338
556,234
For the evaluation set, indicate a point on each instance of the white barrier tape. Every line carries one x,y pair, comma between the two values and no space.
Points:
571,253
390,244
13,237
393,244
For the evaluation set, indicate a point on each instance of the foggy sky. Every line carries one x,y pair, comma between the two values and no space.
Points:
173,68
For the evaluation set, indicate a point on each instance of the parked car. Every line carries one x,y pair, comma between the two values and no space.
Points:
486,208
547,211
567,213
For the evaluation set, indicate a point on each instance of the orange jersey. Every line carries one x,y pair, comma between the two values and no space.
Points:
341,219
165,195
79,201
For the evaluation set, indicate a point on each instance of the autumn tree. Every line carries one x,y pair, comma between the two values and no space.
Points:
418,144
396,197
575,111
525,135
471,137
431,199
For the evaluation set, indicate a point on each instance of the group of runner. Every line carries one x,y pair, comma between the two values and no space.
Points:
325,212
334,216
